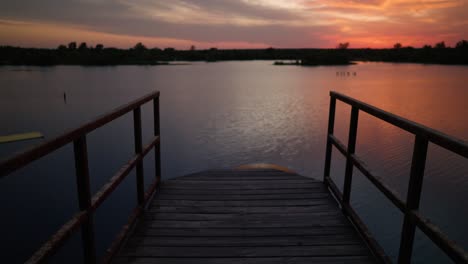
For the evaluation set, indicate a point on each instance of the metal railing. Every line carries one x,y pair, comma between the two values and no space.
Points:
410,208
88,203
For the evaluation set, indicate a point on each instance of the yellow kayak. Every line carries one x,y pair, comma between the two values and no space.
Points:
20,137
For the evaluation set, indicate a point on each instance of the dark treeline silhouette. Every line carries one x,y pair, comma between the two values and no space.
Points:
82,54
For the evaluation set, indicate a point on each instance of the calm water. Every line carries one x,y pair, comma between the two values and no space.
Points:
220,115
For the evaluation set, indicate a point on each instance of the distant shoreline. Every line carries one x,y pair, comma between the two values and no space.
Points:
307,57
306,64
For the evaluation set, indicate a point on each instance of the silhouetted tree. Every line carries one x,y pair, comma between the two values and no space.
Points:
62,47
139,46
83,46
212,55
427,47
99,47
270,51
169,49
344,45
440,45
72,46
397,46
462,44
192,48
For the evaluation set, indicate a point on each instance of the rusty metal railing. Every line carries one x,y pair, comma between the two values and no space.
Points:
88,203
410,208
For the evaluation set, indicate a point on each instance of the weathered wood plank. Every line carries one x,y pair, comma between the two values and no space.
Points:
214,216
235,180
226,252
244,173
259,203
246,177
318,189
244,182
241,178
278,260
238,223
244,241
245,186
245,232
245,210
241,197
244,219
246,216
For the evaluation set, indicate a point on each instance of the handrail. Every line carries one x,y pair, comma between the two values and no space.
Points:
446,141
410,208
20,160
88,203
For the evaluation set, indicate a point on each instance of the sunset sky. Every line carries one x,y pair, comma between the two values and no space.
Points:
233,23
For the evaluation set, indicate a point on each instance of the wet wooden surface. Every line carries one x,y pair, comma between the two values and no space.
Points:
244,216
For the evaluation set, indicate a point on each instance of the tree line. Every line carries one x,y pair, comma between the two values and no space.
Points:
139,54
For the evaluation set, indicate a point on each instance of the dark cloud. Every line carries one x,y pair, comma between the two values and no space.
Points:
70,11
118,17
95,12
241,8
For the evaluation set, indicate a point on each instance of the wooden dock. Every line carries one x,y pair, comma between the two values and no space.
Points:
244,216
258,214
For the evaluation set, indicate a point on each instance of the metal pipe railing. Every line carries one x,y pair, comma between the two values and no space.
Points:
410,208
86,201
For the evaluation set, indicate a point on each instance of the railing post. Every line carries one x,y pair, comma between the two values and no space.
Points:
353,124
331,125
84,198
418,164
138,150
157,132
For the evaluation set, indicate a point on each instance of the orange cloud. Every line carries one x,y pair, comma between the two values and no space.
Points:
381,23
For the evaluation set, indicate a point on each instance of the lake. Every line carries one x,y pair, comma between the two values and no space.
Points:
222,115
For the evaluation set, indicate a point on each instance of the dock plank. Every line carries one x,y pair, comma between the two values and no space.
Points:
248,203
245,251
270,260
318,189
240,197
243,216
214,216
245,210
245,232
244,241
